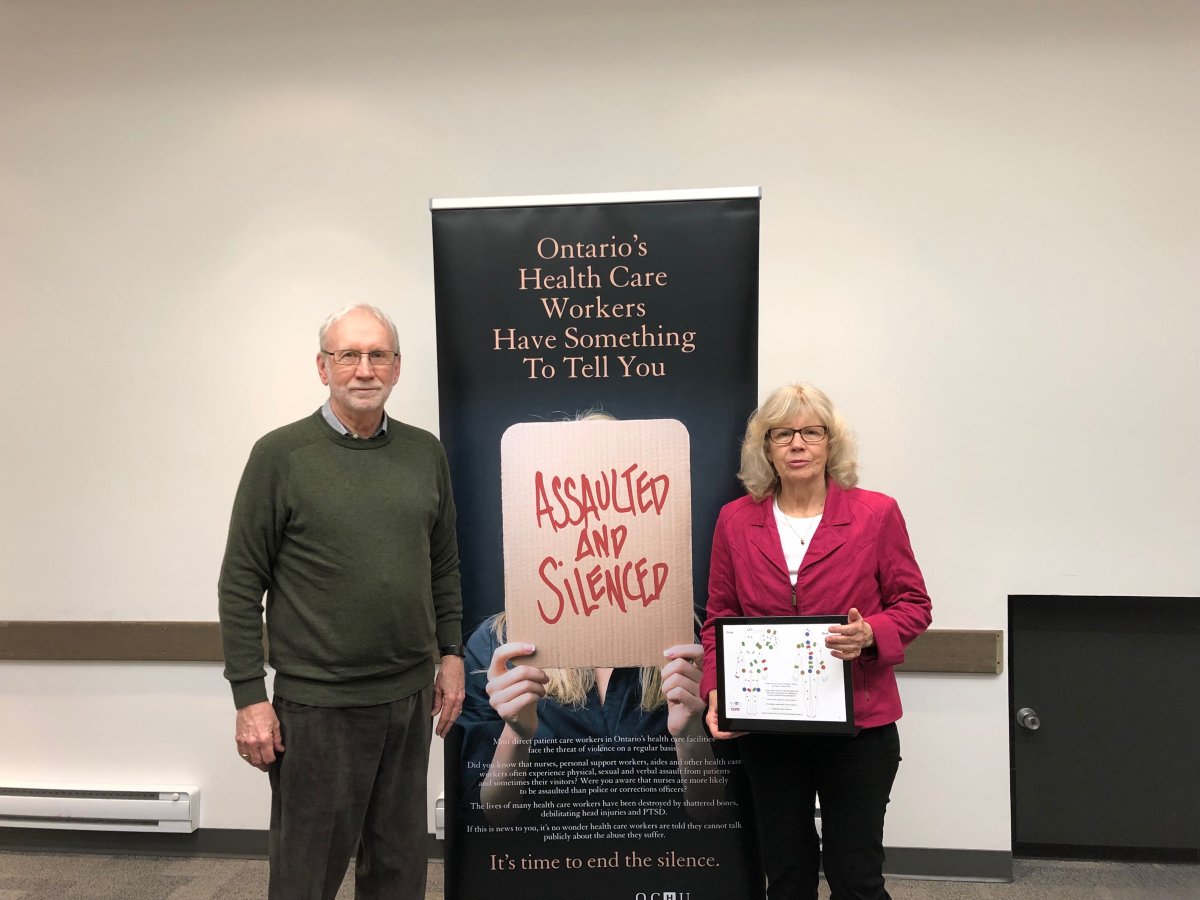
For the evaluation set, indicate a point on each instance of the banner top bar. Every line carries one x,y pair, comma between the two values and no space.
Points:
732,193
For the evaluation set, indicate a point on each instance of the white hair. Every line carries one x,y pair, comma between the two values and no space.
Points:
355,307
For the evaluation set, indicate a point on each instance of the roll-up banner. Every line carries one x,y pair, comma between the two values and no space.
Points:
597,361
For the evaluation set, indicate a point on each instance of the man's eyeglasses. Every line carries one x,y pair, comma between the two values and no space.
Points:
810,434
378,358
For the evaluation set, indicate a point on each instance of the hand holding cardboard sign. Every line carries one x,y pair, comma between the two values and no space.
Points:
681,687
514,693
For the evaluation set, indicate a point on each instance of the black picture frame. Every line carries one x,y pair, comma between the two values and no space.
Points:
798,711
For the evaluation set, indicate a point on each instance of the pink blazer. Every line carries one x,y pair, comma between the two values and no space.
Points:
859,556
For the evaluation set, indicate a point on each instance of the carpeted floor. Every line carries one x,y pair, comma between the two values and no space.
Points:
55,876
60,876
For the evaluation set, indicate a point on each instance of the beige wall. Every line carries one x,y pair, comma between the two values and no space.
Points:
979,234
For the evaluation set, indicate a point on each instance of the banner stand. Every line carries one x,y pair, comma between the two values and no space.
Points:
643,306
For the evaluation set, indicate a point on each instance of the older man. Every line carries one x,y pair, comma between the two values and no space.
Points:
345,521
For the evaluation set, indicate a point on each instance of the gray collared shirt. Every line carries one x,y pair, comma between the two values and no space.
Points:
336,424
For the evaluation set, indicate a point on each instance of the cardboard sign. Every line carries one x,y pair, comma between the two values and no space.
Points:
597,540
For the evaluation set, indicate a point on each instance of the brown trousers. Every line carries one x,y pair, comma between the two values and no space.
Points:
351,780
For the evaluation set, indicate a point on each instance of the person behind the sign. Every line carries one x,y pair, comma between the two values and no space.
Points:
511,709
805,541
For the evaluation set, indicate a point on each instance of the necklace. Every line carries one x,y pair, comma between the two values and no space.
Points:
787,520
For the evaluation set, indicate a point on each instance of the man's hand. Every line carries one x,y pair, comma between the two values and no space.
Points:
449,689
257,734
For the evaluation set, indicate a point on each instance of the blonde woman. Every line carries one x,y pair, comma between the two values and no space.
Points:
805,540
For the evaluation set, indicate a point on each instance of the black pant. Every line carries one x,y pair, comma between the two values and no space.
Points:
853,778
350,778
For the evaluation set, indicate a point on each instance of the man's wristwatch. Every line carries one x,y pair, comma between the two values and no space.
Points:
451,650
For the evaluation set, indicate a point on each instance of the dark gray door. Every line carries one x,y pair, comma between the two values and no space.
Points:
1105,726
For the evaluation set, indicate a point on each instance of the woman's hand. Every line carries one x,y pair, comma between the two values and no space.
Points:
681,687
848,641
514,693
711,718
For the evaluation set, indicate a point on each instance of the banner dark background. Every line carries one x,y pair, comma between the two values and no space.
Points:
708,250
618,822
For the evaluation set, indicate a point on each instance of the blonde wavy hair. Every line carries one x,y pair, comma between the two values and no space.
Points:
783,406
570,687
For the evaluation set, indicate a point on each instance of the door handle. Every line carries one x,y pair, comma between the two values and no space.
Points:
1028,718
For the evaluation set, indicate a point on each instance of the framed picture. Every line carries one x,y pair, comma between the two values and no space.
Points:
774,674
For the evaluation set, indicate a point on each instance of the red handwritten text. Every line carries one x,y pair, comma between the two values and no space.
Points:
576,501
618,584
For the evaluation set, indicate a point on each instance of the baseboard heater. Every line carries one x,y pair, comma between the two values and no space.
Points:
83,807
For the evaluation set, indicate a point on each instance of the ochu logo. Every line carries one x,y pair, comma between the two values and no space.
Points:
663,895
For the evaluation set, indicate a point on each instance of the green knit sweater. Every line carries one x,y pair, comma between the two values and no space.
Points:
353,544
